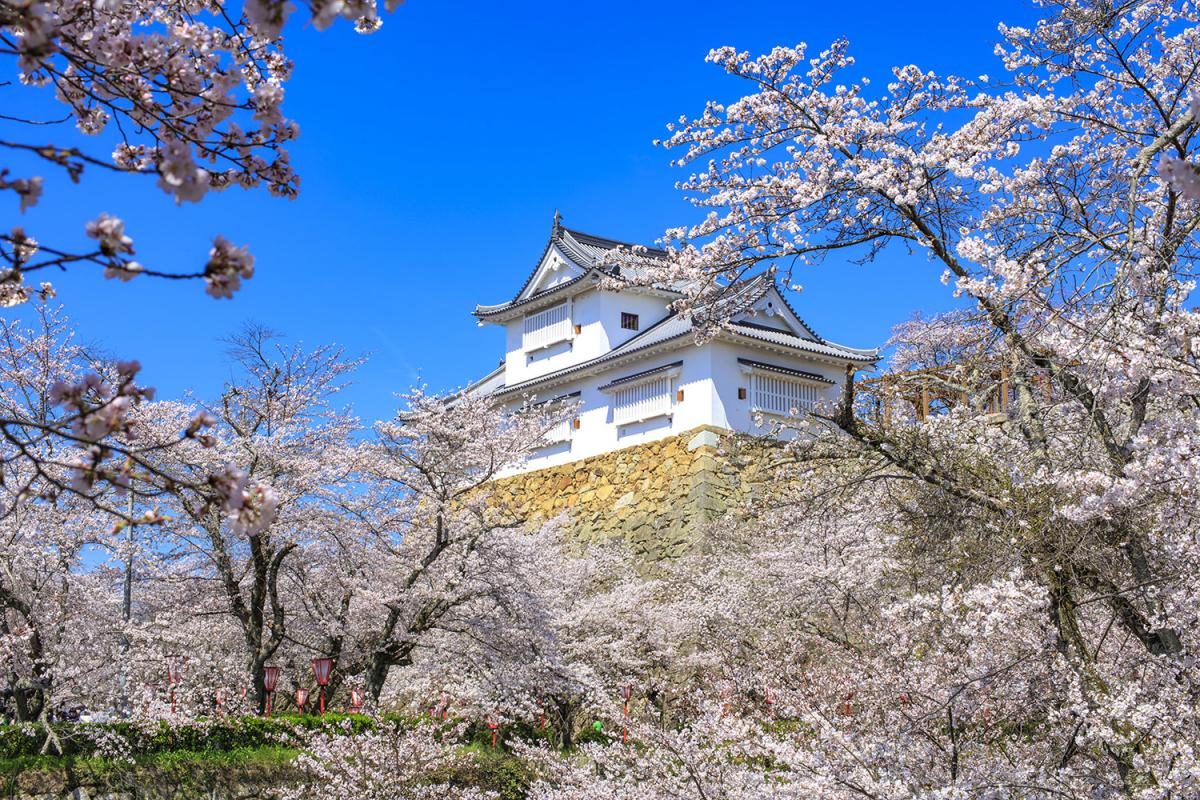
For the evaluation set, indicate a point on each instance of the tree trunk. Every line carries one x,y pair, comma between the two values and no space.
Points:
258,676
377,674
567,712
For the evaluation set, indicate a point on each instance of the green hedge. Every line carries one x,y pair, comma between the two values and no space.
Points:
227,734
479,735
200,736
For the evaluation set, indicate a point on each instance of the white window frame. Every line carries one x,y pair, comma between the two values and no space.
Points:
802,393
638,401
538,334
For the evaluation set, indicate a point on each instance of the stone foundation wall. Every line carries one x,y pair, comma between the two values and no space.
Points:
657,495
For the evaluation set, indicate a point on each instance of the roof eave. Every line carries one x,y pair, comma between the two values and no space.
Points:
558,239
474,385
506,311
654,291
841,357
665,345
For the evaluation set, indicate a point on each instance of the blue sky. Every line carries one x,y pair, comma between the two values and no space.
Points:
433,155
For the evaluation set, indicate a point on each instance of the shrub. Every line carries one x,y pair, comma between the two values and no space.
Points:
134,738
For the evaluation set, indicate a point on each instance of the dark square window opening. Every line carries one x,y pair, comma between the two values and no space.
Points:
629,321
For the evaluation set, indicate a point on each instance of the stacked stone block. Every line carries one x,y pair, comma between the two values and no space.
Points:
659,496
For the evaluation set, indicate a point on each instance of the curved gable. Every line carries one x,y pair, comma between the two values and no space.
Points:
555,269
772,311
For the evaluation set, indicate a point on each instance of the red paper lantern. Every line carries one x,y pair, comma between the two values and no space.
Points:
322,668
301,698
271,678
270,681
356,700
494,724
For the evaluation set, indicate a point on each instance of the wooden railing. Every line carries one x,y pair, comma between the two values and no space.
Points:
935,390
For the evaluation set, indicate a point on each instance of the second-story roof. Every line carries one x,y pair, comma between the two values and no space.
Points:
675,330
595,258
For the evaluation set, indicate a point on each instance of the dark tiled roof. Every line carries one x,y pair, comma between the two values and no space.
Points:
646,373
675,326
799,373
561,398
585,250
481,311
593,247
791,340
740,297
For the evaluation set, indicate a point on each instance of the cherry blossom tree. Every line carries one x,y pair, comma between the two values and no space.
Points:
45,597
392,762
714,756
972,576
1024,454
1086,294
236,532
67,419
63,523
190,95
428,552
570,629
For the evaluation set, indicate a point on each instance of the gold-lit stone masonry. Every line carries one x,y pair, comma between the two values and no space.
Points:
658,495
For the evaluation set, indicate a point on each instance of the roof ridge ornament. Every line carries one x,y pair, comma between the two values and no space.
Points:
557,226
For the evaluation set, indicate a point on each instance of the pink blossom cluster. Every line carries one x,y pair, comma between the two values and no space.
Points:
191,95
227,266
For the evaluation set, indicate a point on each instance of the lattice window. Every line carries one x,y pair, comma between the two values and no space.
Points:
777,394
547,327
644,400
559,433
629,321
